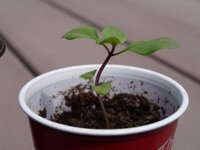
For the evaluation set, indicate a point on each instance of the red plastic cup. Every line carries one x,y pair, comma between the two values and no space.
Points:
48,135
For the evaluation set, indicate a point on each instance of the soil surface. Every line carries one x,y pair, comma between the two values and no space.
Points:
123,110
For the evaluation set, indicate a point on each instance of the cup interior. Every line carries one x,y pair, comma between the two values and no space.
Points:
46,91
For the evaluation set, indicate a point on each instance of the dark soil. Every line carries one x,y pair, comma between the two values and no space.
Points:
123,110
43,113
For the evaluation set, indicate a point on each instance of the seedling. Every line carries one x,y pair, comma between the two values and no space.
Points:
114,37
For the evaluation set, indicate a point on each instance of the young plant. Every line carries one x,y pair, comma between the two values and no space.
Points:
115,37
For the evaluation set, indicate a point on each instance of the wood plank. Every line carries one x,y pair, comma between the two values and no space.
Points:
38,39
14,128
144,20
183,11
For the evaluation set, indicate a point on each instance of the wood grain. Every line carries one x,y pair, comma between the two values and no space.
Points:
14,128
34,28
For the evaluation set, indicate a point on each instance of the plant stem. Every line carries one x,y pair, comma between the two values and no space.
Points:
110,54
106,48
104,111
119,52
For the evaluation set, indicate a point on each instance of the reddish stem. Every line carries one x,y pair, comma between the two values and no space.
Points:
110,54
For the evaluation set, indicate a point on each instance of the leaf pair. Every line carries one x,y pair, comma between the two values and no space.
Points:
102,89
110,35
115,36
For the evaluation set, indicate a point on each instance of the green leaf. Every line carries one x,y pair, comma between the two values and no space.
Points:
150,46
113,36
82,32
88,75
111,40
104,88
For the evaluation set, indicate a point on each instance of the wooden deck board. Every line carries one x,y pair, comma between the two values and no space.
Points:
14,128
34,28
184,11
141,21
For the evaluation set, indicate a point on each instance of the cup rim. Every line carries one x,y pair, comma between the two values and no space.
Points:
104,132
